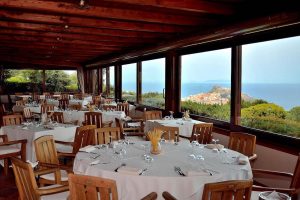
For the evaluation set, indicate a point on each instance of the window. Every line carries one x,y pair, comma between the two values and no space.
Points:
104,80
206,82
153,82
270,86
112,81
129,82
61,81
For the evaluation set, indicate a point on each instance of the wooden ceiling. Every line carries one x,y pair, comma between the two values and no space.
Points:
61,33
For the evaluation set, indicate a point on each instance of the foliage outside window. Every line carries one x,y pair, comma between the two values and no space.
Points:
61,81
129,82
153,82
206,84
271,79
112,81
104,80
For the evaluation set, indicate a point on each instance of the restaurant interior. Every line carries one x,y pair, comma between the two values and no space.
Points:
149,99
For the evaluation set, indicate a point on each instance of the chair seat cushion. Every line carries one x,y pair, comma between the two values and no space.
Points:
8,149
64,176
57,196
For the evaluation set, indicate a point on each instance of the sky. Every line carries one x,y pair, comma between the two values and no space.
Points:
276,61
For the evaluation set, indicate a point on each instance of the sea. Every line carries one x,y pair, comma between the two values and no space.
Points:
285,95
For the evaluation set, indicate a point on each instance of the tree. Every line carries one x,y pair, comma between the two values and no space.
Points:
264,110
294,114
56,80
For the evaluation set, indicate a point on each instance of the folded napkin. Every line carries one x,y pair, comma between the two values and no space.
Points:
273,196
87,149
33,164
242,160
215,146
127,118
197,173
129,170
25,128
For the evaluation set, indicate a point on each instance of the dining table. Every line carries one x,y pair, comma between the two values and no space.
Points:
181,168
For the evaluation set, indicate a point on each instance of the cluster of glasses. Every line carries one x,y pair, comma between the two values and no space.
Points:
196,146
148,159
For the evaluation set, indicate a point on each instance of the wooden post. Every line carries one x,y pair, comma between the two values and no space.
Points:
118,82
100,80
139,82
44,80
107,82
236,76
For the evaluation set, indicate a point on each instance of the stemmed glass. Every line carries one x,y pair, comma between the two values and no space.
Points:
194,144
145,147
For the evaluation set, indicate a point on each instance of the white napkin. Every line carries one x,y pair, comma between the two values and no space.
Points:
87,149
95,162
196,173
33,164
242,160
215,146
129,170
272,195
25,128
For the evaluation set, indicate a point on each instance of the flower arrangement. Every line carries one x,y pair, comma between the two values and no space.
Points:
154,137
186,115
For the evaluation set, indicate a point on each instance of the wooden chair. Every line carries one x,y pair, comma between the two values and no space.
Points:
46,108
27,185
48,96
169,133
63,103
106,135
96,100
8,150
12,120
151,115
57,117
123,107
84,187
78,96
20,103
47,156
95,118
294,188
107,101
151,196
35,97
228,190
75,107
203,133
27,114
128,129
64,96
243,143
108,107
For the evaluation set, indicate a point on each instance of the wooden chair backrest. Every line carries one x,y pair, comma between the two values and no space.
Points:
57,117
242,142
35,97
78,96
237,190
45,108
84,136
75,106
96,100
120,124
123,107
93,118
12,120
46,93
295,183
48,96
45,149
27,113
106,135
64,96
108,101
151,115
169,133
25,180
63,103
204,131
20,103
108,107
84,187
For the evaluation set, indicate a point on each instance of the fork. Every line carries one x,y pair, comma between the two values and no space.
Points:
142,172
180,172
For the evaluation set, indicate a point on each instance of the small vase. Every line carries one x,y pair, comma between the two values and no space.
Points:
156,148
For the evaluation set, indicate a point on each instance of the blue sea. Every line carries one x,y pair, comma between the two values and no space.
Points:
285,95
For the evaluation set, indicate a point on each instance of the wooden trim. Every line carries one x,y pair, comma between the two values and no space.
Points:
139,82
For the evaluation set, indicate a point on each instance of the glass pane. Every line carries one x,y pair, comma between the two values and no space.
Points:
112,81
153,82
206,82
270,86
129,82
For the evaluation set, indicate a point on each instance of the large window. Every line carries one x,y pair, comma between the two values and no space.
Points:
153,82
129,82
206,82
271,85
104,81
112,81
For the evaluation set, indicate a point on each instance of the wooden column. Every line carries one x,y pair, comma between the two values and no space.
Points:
236,76
100,80
107,82
44,80
118,82
85,75
173,82
139,82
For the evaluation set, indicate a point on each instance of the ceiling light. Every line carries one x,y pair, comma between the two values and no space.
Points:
82,3
66,26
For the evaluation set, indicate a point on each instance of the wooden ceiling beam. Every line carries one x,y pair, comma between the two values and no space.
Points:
15,65
103,12
197,6
88,22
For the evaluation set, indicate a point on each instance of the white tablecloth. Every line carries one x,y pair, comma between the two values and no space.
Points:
160,175
185,127
62,132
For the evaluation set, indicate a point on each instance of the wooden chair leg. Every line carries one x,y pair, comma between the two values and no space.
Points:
5,166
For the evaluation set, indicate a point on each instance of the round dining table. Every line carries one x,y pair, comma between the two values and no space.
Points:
181,169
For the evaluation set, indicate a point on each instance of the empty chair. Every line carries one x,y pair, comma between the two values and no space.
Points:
95,118
92,188
77,96
243,143
75,107
12,120
57,117
46,108
228,190
123,107
47,156
64,96
107,101
107,135
275,176
202,133
63,103
35,97
8,150
27,114
130,128
151,115
20,103
169,133
27,185
108,107
48,95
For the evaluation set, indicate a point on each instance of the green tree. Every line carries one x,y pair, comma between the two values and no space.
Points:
294,114
56,80
264,110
